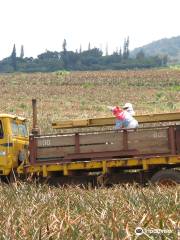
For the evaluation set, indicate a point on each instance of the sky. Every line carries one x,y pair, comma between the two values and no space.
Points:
41,25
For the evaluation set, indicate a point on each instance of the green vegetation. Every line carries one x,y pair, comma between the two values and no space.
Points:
175,66
91,59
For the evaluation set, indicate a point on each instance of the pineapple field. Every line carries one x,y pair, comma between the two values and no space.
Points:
30,210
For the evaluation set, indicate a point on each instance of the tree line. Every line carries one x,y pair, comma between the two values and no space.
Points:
90,59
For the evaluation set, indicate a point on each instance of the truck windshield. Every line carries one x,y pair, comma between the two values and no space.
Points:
19,129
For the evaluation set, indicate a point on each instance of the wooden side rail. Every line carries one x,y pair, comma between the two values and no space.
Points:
104,144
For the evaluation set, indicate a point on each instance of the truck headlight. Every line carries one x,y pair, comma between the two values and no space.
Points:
2,153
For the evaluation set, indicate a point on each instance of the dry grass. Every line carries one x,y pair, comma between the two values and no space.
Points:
43,212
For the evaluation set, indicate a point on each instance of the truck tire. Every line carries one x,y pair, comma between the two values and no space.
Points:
166,177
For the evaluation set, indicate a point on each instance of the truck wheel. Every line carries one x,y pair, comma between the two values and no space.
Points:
166,177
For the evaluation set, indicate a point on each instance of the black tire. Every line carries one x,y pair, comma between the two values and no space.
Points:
166,177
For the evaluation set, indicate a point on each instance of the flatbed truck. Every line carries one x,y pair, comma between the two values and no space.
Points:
100,156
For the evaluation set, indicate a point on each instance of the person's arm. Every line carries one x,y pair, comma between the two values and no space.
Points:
111,108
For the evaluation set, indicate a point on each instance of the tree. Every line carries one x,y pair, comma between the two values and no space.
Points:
165,60
48,55
126,49
107,50
120,52
64,46
89,46
64,56
115,53
13,58
80,49
140,55
22,52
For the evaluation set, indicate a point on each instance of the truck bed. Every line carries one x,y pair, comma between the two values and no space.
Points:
98,145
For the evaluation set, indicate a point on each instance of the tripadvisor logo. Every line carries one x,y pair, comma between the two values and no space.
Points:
139,231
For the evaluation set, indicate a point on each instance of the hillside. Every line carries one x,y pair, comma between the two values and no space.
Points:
166,46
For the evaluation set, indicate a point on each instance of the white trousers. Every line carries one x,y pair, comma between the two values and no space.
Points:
133,124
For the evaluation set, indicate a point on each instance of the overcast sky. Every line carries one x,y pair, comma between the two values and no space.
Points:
42,25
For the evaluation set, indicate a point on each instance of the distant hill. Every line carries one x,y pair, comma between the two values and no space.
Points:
165,46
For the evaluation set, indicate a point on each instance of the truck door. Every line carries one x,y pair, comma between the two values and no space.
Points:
3,149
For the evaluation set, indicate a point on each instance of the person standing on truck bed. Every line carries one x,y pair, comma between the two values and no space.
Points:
124,118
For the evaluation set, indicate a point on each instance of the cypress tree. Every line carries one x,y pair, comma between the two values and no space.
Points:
64,46
64,54
80,49
22,52
126,49
107,49
13,58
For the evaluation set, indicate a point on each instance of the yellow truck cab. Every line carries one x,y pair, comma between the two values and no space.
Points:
14,141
